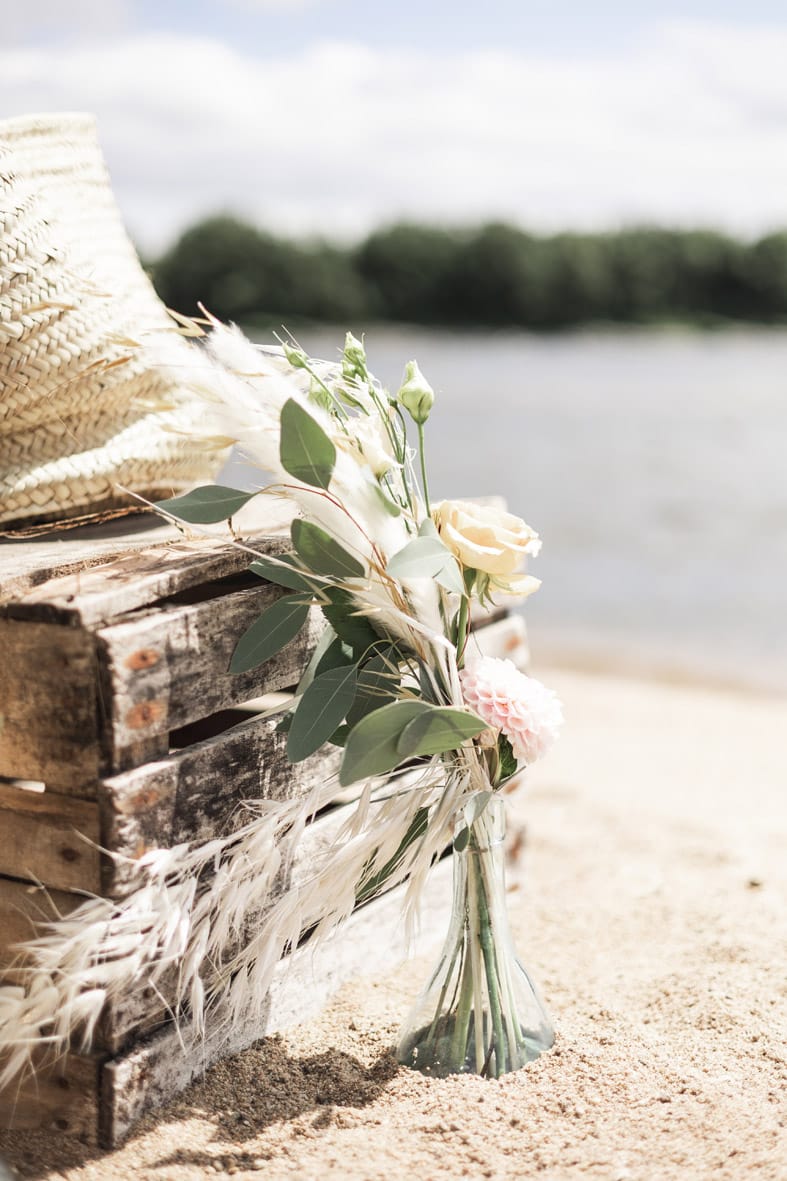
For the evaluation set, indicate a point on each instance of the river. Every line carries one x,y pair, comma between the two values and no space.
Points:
654,466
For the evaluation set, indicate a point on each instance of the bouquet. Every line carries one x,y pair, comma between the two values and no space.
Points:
395,682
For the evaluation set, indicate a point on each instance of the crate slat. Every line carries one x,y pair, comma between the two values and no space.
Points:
195,794
167,667
153,1073
48,723
100,594
49,838
60,1097
22,906
58,554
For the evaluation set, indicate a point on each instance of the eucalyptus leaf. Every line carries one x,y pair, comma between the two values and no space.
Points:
340,735
269,633
423,557
321,553
320,648
336,655
372,745
207,505
283,726
321,709
305,450
450,577
439,729
377,686
354,629
427,528
475,806
462,840
388,505
507,759
283,571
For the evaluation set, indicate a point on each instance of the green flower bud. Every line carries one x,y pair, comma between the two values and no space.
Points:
416,394
353,358
296,357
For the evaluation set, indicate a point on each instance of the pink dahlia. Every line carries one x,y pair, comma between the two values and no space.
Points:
529,714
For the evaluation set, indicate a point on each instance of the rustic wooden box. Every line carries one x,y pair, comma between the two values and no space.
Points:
121,729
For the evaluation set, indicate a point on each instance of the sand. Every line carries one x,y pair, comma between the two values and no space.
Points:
653,913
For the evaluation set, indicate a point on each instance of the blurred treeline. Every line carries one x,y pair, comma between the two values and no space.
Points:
492,275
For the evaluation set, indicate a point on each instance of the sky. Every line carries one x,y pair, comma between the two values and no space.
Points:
333,116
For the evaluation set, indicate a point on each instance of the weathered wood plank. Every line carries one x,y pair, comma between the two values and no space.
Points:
62,1096
168,666
51,839
48,715
62,553
22,906
138,579
373,938
195,794
149,1009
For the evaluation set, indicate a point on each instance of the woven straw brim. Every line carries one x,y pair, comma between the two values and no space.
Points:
80,331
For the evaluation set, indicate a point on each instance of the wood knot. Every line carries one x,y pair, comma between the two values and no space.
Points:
144,658
69,854
145,713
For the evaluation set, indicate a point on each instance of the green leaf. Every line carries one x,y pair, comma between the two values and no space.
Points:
355,630
507,759
372,746
415,829
472,810
207,505
388,505
340,735
321,709
377,686
428,528
423,557
440,729
305,450
283,571
461,840
427,557
269,633
475,806
450,577
336,655
318,550
320,648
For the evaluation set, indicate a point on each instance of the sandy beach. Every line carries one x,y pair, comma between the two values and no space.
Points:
651,907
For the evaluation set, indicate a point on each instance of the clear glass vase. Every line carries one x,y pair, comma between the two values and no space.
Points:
480,1012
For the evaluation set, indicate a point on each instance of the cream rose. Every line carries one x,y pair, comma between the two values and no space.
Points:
490,540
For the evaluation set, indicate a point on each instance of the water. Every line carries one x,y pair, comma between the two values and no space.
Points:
654,466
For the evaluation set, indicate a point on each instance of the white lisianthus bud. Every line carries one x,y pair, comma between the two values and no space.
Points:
353,357
416,394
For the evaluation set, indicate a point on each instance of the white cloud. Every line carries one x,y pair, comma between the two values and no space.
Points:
272,5
30,19
691,126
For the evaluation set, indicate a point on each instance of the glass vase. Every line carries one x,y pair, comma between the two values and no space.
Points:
480,1012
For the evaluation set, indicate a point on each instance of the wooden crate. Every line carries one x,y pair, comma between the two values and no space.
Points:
120,728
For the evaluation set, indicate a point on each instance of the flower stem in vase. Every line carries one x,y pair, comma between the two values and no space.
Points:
480,1012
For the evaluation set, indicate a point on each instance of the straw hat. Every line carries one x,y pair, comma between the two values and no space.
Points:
83,407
